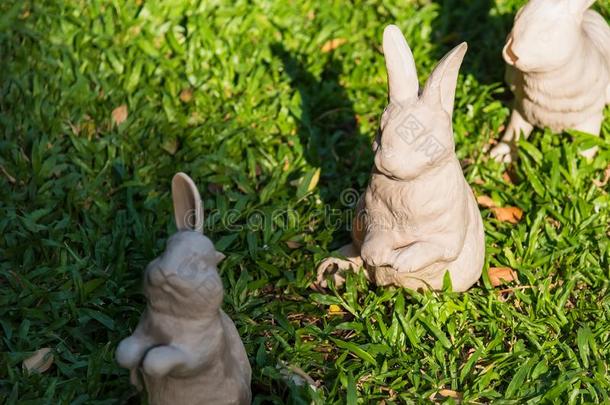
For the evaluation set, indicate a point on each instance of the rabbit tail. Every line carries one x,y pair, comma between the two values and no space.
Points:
598,31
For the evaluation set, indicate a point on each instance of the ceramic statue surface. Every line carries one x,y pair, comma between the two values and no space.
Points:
186,349
418,217
558,67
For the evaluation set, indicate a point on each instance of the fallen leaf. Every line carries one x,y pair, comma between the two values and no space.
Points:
186,95
40,361
75,128
119,114
508,214
314,181
307,183
334,310
88,129
501,275
449,393
605,180
333,44
506,177
486,201
554,223
10,178
292,244
170,145
445,393
296,375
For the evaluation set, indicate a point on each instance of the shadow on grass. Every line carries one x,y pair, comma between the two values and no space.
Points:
472,21
328,127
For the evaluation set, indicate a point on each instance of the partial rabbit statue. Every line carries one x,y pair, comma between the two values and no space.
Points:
558,56
418,217
187,349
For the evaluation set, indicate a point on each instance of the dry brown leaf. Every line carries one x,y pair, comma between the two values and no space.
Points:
446,393
171,146
314,181
40,361
602,183
75,128
186,95
333,44
296,375
486,201
508,214
293,245
119,114
87,129
506,177
10,178
449,393
501,275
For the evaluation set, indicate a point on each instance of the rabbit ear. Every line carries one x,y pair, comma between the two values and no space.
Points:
188,209
402,74
440,87
219,257
578,7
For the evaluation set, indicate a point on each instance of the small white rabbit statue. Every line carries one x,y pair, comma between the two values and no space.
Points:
418,217
187,349
558,67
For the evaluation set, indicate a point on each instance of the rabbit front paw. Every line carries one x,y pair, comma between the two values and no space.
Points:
336,268
502,153
162,360
376,253
130,351
420,255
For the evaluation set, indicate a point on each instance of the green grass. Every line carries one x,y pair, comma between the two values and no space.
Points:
85,204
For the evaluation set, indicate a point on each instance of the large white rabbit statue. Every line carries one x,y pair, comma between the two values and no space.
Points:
418,217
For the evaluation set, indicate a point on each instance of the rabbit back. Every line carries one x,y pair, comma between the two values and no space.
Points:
598,31
223,379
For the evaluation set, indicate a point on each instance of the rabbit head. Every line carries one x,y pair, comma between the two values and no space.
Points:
416,133
184,280
545,34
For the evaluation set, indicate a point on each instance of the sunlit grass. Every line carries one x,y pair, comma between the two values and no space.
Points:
243,98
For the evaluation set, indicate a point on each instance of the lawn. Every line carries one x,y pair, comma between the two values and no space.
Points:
271,107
